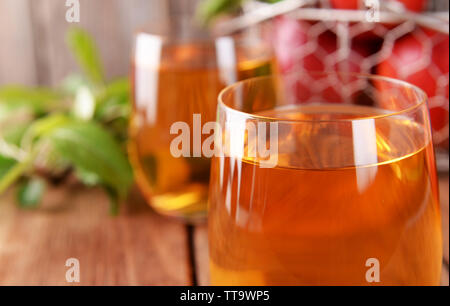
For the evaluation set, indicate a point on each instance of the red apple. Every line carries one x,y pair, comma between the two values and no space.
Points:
375,30
303,46
422,58
347,4
289,36
296,46
412,5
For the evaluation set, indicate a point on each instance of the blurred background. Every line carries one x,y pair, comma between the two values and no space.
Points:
32,34
34,52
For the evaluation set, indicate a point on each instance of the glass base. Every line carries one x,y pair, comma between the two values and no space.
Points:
189,206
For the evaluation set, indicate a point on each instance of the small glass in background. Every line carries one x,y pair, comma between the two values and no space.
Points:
177,73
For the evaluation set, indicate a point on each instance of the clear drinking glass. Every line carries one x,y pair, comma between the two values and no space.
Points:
177,73
307,191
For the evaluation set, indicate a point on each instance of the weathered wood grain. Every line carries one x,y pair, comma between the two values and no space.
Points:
136,248
444,194
111,23
444,277
201,255
17,61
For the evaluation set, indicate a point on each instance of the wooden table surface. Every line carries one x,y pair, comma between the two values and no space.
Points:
136,248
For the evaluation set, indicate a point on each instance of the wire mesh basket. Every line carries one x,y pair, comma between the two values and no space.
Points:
384,39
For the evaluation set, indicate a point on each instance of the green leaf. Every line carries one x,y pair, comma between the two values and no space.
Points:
114,202
48,124
113,108
54,164
14,134
5,165
270,1
85,51
40,100
73,82
14,172
87,178
91,148
30,192
42,127
119,87
210,9
114,101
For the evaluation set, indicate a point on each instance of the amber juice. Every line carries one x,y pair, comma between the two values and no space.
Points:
316,218
186,81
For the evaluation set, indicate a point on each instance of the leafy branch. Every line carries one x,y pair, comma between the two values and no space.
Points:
210,9
79,127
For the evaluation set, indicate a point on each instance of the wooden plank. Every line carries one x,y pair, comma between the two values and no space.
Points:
136,248
444,277
17,65
444,193
201,255
111,22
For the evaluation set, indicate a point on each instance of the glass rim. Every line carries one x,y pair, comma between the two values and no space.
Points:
420,102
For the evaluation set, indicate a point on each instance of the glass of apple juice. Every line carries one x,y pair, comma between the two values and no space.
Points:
308,191
177,74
